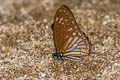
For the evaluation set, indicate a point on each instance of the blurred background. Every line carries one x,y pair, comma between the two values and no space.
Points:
26,40
39,9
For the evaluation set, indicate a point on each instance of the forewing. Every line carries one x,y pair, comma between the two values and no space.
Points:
64,24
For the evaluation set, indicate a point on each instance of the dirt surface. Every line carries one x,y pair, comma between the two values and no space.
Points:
26,40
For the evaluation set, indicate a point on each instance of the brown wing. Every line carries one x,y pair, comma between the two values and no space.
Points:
63,26
68,37
76,45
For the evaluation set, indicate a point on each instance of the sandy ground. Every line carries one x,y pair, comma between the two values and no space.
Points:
26,40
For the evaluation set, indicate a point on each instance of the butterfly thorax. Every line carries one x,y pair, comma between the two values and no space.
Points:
58,56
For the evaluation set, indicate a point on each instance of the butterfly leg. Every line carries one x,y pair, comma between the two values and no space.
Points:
58,56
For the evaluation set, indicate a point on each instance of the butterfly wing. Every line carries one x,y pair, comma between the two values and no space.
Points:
77,45
63,26
68,37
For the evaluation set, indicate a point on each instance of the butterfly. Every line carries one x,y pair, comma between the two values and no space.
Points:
71,43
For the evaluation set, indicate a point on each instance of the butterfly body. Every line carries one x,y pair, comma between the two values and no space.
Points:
70,42
58,56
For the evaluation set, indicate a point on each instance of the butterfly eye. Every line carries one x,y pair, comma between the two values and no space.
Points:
70,42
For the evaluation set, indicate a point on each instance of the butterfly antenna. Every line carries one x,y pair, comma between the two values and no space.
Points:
52,26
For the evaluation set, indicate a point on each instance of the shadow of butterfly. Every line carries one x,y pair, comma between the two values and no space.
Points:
70,42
